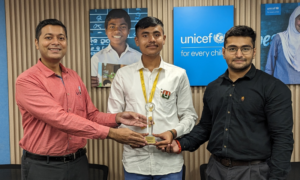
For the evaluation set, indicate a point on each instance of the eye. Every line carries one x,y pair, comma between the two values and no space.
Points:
246,49
231,49
124,27
111,27
62,38
144,35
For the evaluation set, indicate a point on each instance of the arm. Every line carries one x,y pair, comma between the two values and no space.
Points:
33,99
200,133
186,113
272,56
128,118
279,115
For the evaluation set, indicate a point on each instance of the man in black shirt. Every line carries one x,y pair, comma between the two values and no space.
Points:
247,118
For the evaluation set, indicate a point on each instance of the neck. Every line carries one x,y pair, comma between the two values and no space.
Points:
151,62
120,48
54,66
235,75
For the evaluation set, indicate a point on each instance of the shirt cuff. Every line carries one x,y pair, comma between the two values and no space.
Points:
179,131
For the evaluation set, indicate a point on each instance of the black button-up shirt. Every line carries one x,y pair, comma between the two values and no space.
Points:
249,119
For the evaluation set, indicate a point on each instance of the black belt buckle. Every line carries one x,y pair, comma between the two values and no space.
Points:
70,157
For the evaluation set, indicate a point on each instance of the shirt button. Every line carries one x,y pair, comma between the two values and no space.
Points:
233,84
225,130
230,95
224,146
70,138
69,109
228,112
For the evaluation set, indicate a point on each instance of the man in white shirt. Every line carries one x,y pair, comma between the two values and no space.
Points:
174,114
118,52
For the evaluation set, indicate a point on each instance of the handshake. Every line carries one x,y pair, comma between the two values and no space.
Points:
137,140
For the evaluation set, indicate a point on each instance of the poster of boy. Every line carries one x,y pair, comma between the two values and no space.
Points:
112,42
280,41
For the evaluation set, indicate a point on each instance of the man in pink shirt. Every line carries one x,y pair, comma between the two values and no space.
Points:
58,114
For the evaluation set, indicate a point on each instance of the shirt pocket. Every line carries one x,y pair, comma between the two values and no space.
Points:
166,99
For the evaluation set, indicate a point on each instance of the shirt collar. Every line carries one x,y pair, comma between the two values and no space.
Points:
140,64
109,48
48,72
250,74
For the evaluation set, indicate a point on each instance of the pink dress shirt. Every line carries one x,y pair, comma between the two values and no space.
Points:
57,113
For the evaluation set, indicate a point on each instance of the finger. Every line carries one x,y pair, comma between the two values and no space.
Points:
165,142
158,135
169,148
140,124
133,114
162,146
135,146
144,134
141,117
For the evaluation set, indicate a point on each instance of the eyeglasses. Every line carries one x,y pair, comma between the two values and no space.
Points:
234,50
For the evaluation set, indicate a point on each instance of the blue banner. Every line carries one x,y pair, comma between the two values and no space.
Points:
273,9
198,40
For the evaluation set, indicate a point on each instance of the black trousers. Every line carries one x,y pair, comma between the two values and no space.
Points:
41,170
216,171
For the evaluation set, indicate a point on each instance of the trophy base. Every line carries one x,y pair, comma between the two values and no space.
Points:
150,139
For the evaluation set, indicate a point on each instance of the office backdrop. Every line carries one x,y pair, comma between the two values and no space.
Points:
23,16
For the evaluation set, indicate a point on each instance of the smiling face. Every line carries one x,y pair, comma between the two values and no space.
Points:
52,43
297,23
117,32
150,40
238,61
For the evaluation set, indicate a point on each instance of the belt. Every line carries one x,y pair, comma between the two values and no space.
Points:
228,162
66,158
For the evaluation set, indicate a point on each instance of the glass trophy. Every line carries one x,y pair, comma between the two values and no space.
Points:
149,112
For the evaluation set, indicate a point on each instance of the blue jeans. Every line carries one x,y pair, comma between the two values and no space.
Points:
172,176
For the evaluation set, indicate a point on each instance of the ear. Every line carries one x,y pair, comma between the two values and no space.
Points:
36,42
223,52
254,52
164,39
136,39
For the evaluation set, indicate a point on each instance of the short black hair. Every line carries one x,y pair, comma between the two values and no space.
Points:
243,31
118,13
46,22
148,22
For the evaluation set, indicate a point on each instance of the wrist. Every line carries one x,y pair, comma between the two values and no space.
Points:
117,118
111,133
174,133
179,147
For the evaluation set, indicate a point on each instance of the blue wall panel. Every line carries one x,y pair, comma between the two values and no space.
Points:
4,117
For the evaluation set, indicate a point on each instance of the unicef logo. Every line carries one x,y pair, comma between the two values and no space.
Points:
219,38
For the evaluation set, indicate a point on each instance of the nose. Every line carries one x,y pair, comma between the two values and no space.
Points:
55,40
152,38
239,53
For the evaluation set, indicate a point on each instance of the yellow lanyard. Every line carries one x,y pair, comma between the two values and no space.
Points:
144,87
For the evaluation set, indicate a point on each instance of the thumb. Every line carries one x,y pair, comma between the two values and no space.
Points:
159,136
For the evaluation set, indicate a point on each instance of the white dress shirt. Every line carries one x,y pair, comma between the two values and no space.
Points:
110,56
177,113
